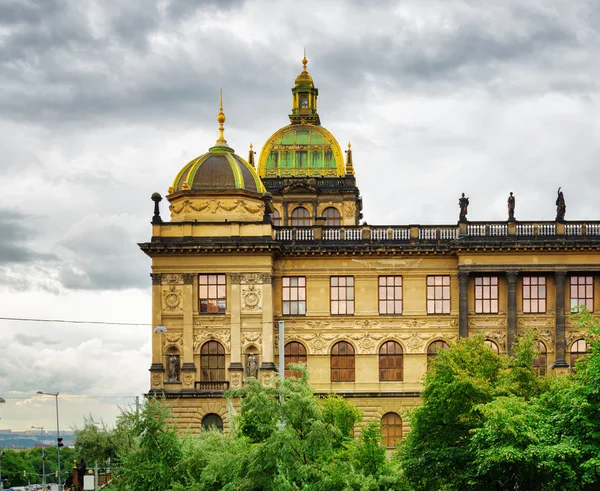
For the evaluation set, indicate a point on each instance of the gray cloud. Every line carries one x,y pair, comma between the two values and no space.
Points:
15,235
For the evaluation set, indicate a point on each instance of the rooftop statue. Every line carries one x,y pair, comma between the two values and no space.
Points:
463,203
511,208
561,207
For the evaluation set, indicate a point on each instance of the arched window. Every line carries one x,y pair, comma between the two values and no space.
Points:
300,217
212,362
433,349
391,361
332,217
540,362
391,428
342,362
578,349
493,346
276,218
212,420
295,352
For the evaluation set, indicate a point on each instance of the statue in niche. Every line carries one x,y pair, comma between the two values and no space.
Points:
561,207
173,368
463,203
252,366
511,208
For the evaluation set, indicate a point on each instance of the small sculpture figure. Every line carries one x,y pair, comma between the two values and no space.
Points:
252,366
463,203
173,369
561,208
511,208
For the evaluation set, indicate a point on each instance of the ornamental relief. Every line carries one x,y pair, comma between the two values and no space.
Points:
200,337
251,278
536,322
498,337
172,279
236,379
254,338
251,299
156,381
487,322
572,336
173,339
349,209
216,322
172,299
188,379
240,205
416,342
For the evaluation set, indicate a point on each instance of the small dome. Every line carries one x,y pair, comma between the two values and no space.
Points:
304,79
218,170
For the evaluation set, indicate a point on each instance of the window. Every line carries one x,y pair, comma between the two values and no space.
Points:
391,429
534,295
433,349
578,349
540,361
276,219
294,295
582,292
342,362
493,346
342,295
211,421
486,295
300,217
212,292
303,101
390,294
438,294
295,352
332,217
391,361
212,362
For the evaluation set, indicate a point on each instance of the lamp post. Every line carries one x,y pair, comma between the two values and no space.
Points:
43,456
58,438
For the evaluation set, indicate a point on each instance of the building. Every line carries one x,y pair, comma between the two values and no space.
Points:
250,244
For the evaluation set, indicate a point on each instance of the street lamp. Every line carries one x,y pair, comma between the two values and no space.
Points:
43,457
160,329
58,438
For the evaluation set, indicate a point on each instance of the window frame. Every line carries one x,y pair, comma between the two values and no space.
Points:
493,345
276,218
289,357
396,426
221,301
532,284
207,359
575,355
486,294
431,354
385,289
541,368
298,290
207,425
338,290
577,300
432,288
332,217
389,373
350,354
300,221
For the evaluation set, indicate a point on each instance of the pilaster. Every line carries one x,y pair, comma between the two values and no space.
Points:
156,319
511,286
268,360
560,347
463,304
236,323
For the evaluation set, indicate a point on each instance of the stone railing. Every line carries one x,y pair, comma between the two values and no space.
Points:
438,233
212,386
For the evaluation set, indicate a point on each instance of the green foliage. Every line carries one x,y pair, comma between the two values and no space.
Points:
341,416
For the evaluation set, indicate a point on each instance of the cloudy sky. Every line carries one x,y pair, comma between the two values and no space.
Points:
102,102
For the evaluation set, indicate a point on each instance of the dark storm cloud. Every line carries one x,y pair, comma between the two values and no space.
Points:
14,237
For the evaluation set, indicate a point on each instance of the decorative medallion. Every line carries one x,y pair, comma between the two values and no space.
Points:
156,380
173,339
188,379
236,379
172,299
251,297
252,338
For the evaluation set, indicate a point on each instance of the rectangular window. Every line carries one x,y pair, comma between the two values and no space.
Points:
438,294
294,295
582,292
390,294
486,295
212,293
534,295
342,295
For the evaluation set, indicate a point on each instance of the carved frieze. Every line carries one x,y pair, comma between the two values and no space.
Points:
494,322
499,337
173,339
536,322
172,279
156,278
349,209
200,337
416,341
572,336
251,298
317,325
172,299
251,278
213,206
366,324
217,322
254,338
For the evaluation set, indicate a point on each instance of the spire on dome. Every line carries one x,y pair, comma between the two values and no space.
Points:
221,119
251,156
304,100
349,165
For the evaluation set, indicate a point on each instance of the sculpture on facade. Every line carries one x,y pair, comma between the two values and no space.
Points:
252,366
463,203
511,208
561,207
173,368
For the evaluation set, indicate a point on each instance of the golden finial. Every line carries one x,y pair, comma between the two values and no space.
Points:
221,119
349,165
251,156
304,60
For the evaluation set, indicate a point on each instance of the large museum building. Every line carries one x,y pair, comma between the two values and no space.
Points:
251,243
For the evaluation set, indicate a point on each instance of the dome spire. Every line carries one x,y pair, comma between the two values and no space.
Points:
304,61
304,98
221,119
349,165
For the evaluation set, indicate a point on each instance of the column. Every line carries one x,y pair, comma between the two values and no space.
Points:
463,304
560,347
268,359
511,335
157,369
188,369
236,324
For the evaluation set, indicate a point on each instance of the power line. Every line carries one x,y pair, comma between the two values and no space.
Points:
65,321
